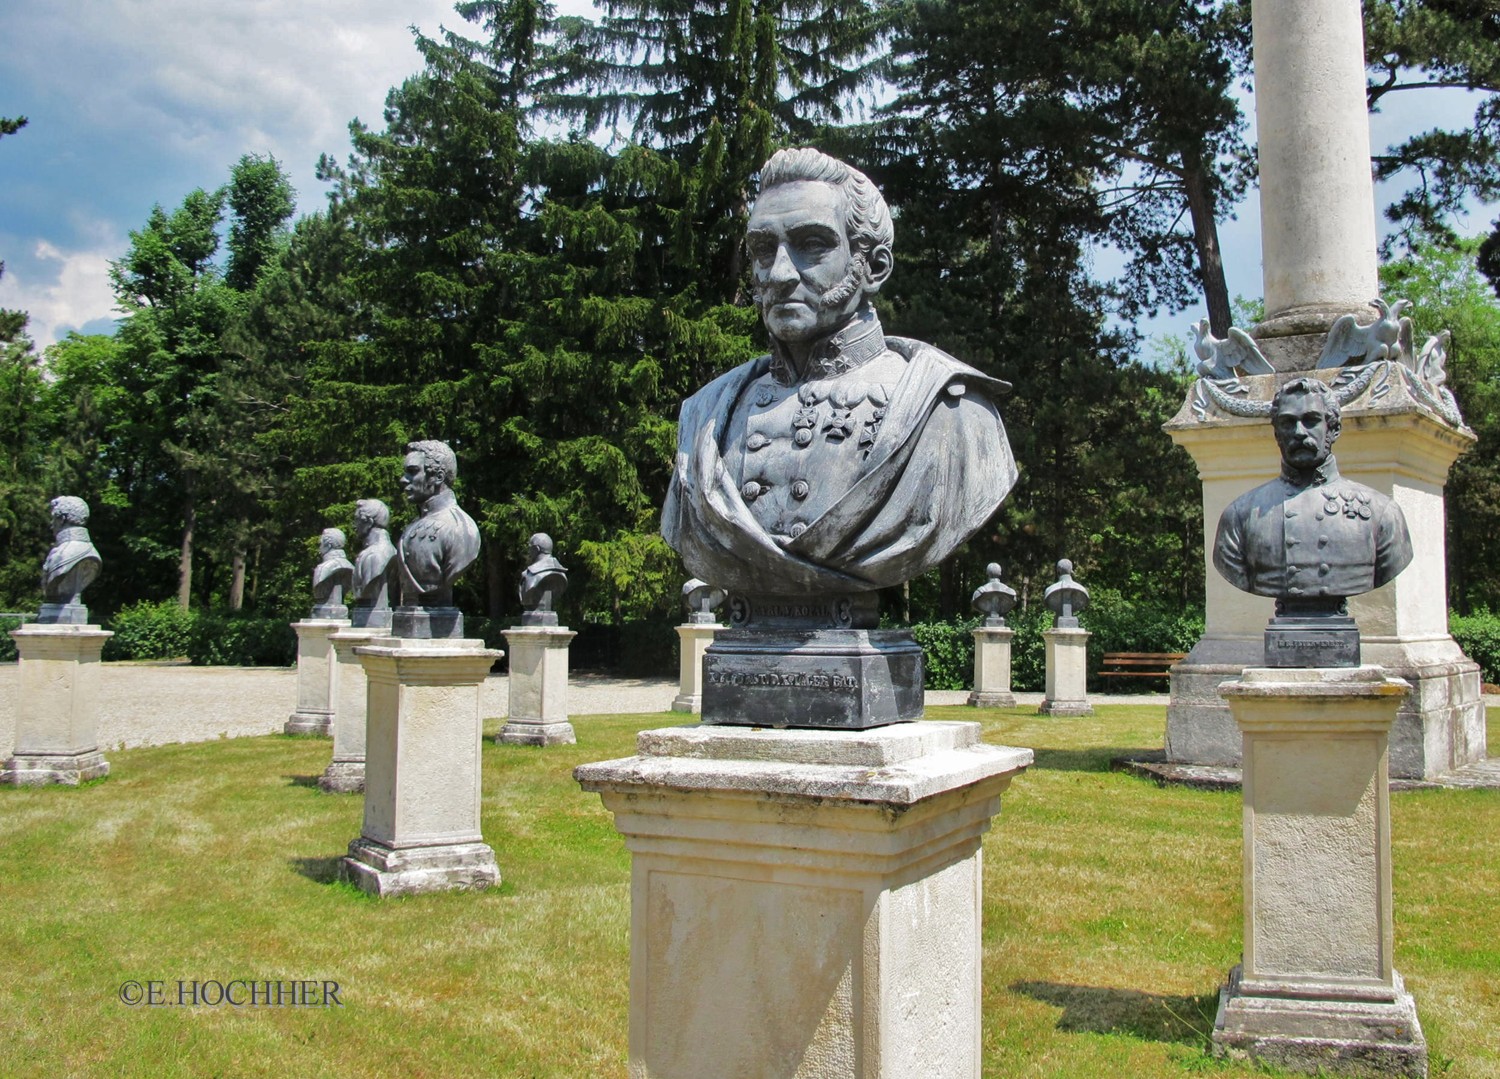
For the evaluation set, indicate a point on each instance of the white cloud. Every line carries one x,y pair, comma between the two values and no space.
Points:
78,293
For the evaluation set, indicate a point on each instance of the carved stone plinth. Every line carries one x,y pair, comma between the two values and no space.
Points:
806,902
422,769
1067,690
538,687
314,714
992,668
1398,444
1317,989
694,638
57,706
345,774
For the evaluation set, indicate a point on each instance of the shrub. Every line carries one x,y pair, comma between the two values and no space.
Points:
8,646
1478,634
147,630
230,640
1122,625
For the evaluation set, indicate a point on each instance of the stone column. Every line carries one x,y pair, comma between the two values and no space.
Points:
538,687
694,638
422,769
314,714
806,902
1317,201
57,706
345,774
1067,673
1317,989
1403,450
992,668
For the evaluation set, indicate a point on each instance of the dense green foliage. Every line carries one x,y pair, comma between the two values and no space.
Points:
164,630
535,255
1478,634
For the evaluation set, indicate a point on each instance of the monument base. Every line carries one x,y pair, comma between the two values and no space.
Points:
840,679
343,777
393,871
318,724
1067,691
1312,642
991,699
1318,1031
806,902
44,769
521,732
370,617
62,614
427,623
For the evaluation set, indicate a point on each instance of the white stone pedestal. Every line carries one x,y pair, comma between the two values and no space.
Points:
538,687
806,903
992,668
345,774
1067,673
421,828
694,638
1317,989
57,706
314,714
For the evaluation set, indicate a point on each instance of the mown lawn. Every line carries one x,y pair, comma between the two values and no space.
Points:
1112,913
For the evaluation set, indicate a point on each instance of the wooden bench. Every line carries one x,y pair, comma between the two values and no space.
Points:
1138,664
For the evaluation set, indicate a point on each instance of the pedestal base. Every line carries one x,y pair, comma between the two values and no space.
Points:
992,668
525,733
693,641
343,777
991,700
65,769
318,724
806,902
1321,1033
386,871
1067,673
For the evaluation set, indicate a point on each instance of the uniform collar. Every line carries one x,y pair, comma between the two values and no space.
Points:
1325,473
72,532
854,344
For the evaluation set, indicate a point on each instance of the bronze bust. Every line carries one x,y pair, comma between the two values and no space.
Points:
436,547
71,566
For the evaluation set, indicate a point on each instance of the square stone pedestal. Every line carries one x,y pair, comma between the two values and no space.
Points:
1317,989
345,774
806,903
1067,673
314,714
422,776
694,638
57,706
538,687
992,668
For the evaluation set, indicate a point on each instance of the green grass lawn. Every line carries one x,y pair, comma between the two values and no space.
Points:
1112,913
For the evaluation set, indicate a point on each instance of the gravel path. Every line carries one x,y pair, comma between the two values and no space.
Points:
149,704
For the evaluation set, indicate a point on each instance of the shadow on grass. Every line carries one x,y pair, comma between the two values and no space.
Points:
302,781
1089,1009
319,870
1078,760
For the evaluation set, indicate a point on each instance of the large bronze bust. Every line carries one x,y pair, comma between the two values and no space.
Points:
1310,538
71,566
375,576
845,460
436,547
842,462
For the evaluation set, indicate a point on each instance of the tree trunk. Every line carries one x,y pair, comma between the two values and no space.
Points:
1200,199
185,559
237,582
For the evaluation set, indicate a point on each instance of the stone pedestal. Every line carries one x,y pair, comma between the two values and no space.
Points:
345,774
1067,673
315,693
1317,989
1400,447
538,687
992,668
806,902
421,827
694,639
57,706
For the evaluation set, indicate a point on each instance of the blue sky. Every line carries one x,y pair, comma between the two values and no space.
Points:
137,102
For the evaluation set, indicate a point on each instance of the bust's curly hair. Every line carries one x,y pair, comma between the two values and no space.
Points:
867,221
72,509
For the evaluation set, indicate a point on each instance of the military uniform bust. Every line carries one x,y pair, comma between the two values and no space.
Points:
542,583
331,575
1310,538
375,574
72,564
436,547
845,460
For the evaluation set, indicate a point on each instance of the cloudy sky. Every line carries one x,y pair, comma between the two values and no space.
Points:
137,102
